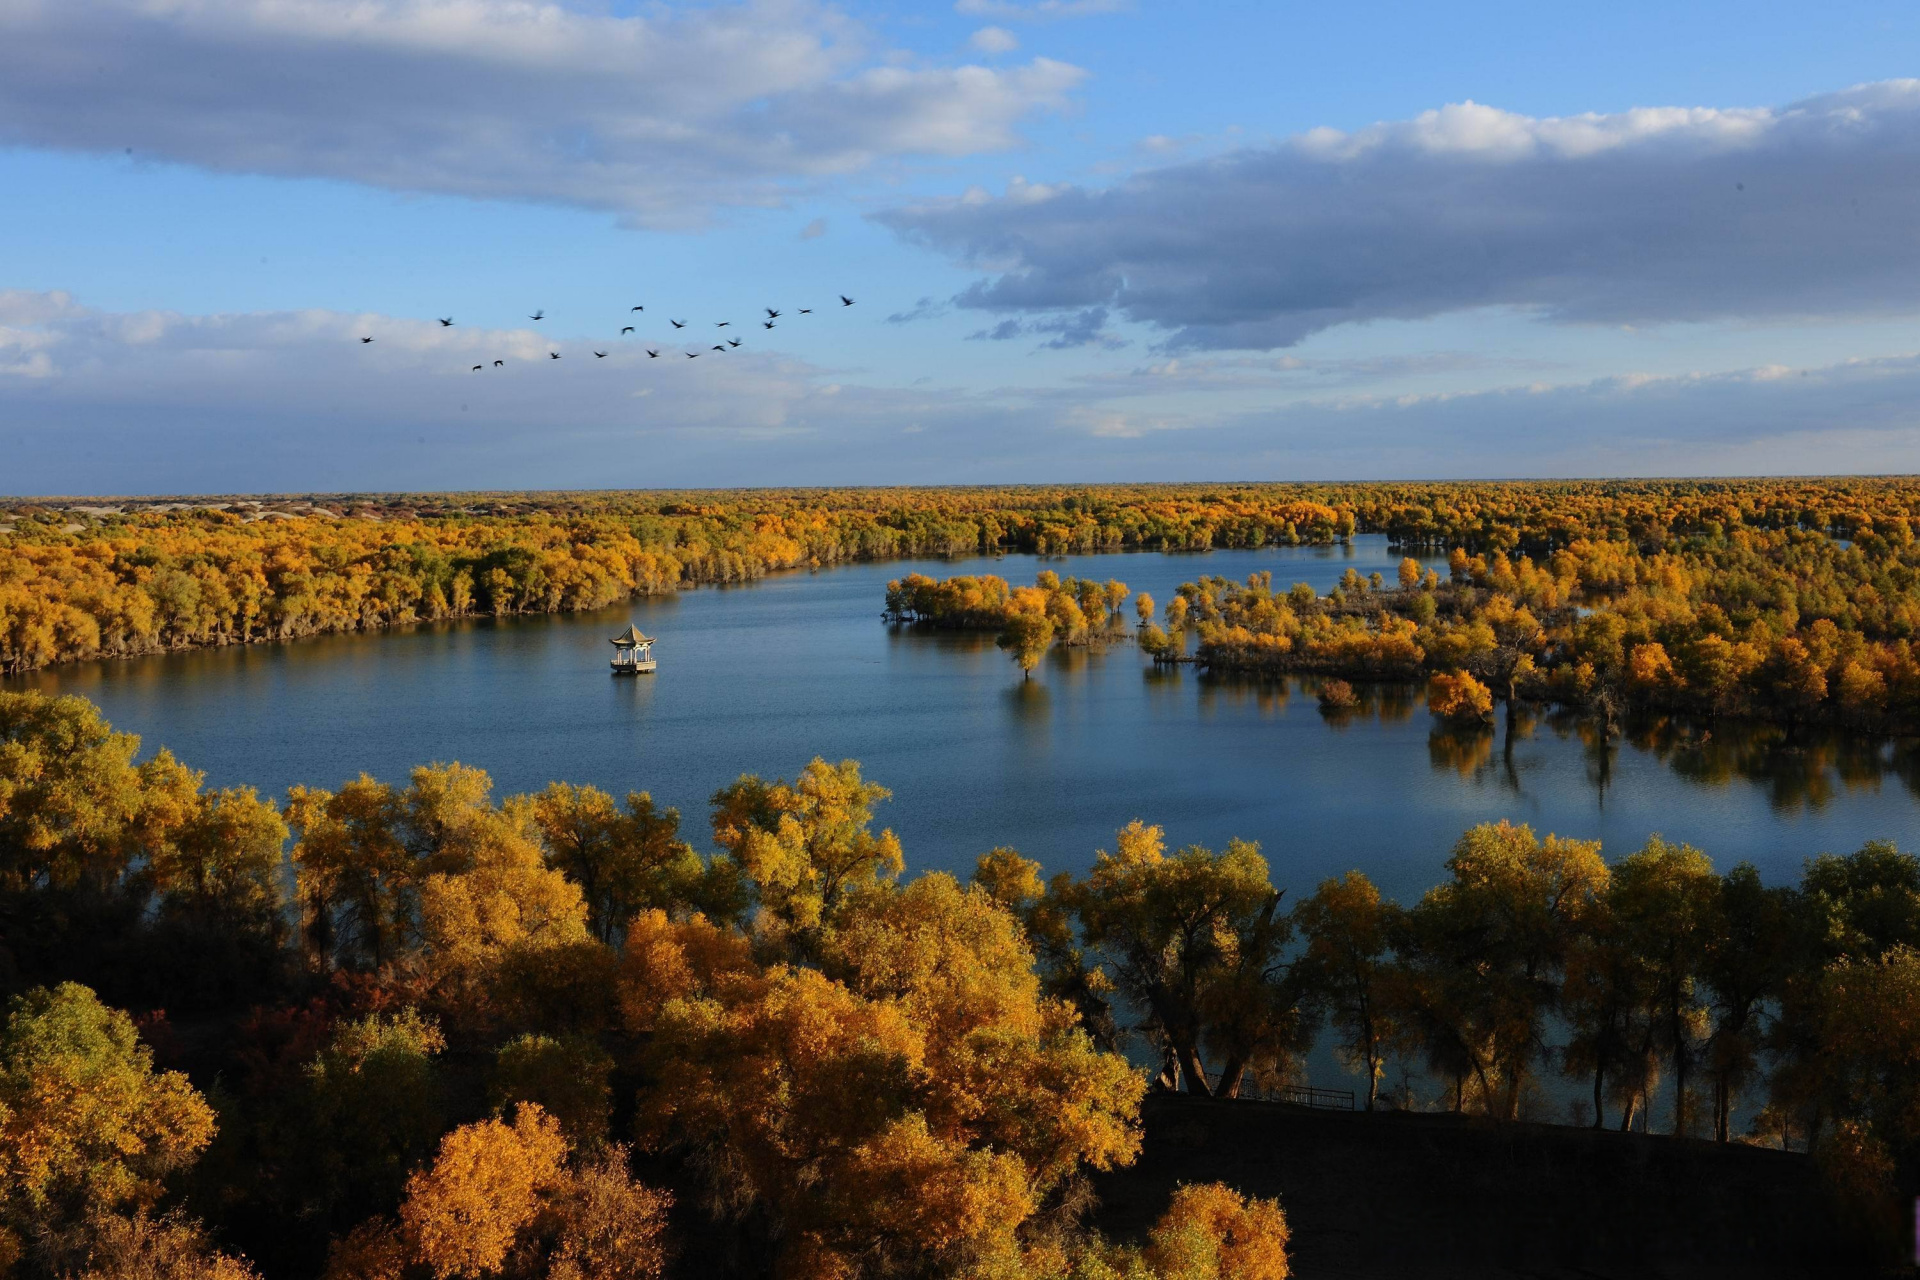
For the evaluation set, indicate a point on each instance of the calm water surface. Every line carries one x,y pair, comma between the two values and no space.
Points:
764,677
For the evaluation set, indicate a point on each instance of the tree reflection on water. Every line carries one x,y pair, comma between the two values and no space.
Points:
1801,768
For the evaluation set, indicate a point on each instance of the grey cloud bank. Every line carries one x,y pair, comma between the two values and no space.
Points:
1641,217
160,402
660,118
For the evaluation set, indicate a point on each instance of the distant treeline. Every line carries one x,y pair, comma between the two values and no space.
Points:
429,1033
80,582
102,578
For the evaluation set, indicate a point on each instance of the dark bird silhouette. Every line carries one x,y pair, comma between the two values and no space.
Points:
364,340
477,368
721,324
717,347
772,314
806,311
446,322
628,329
766,324
652,354
553,355
639,308
675,323
693,355
733,342
845,301
539,315
599,355
499,364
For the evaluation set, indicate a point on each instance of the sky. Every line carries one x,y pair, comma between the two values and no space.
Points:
1086,240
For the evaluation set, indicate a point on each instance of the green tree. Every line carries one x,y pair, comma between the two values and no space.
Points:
1602,1002
371,1113
1349,930
1174,928
1666,898
1027,637
355,879
807,845
87,1126
69,794
217,927
568,1077
1494,940
1865,903
1745,965
624,861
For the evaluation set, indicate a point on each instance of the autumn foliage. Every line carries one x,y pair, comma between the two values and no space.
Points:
547,1038
146,576
1787,601
447,1074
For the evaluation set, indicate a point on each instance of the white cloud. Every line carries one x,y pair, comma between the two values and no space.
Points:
994,40
660,118
1645,216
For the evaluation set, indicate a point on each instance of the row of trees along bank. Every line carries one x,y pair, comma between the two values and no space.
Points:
429,1032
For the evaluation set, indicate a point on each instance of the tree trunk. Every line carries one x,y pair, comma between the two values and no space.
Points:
1373,1079
1231,1076
1599,1093
1679,1077
1191,1069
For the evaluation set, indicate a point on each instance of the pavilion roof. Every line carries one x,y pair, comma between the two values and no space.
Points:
631,636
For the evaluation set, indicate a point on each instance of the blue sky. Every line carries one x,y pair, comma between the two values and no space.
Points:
1087,241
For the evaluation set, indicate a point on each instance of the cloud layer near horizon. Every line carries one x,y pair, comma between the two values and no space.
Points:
1642,217
659,118
157,402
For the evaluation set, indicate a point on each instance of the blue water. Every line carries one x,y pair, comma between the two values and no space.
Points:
762,678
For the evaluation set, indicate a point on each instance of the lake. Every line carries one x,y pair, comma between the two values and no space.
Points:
762,678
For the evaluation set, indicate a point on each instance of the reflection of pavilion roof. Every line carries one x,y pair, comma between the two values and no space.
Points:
632,636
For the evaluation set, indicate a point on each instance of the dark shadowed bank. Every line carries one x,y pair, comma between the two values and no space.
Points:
1422,1196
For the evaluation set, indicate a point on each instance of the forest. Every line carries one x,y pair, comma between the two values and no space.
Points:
1791,614
1791,628
1659,562
83,581
417,1030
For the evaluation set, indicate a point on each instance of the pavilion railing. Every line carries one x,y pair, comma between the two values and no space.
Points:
1299,1095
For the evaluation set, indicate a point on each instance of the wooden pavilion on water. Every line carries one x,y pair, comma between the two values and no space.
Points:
633,653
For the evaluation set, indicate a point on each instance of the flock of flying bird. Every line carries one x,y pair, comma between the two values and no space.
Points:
446,322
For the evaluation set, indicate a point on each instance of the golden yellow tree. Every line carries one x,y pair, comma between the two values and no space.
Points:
907,1108
1458,697
463,1215
1211,1232
509,1199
